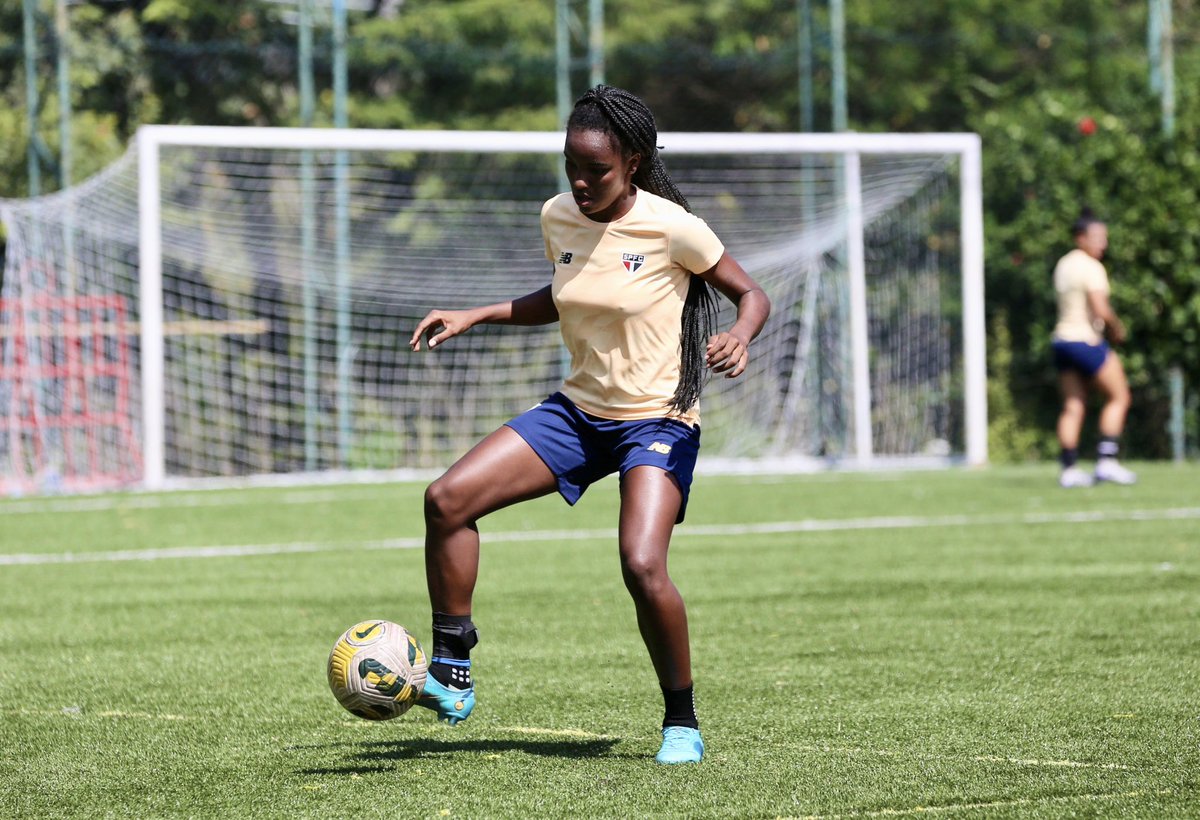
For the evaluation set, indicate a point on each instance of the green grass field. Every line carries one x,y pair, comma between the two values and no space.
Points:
975,644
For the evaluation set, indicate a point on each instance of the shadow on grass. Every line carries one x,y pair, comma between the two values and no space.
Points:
371,755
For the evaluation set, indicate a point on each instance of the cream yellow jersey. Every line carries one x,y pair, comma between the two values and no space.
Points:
1075,274
619,288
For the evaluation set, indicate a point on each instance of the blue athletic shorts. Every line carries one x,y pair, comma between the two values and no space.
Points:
580,449
1079,356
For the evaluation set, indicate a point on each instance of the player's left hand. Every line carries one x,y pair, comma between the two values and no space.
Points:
727,354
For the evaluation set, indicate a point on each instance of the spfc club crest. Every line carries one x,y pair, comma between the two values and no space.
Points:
633,261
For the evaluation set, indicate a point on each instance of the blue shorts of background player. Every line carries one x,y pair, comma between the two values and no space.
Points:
580,449
1079,356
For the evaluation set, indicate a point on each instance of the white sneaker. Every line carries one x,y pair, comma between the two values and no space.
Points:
1075,477
1109,469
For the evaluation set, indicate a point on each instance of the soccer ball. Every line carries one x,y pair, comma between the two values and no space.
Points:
377,670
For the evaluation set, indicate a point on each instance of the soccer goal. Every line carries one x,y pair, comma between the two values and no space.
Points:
235,302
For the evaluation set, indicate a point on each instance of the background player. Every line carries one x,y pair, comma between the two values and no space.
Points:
1083,357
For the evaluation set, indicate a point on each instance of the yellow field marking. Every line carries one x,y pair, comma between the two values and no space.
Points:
535,730
1072,764
146,715
78,712
1019,761
993,804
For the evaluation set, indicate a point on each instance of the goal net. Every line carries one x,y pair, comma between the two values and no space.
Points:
229,302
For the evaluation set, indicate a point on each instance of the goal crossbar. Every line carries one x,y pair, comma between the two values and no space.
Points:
850,146
540,142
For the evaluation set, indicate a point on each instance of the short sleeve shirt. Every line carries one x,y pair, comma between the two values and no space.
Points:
1075,275
620,288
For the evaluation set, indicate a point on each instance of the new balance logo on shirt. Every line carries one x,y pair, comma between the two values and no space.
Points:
564,258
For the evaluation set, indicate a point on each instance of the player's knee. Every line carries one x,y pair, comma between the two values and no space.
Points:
644,573
443,503
1074,408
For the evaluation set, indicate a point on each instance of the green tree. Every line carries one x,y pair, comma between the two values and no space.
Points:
1041,166
1020,72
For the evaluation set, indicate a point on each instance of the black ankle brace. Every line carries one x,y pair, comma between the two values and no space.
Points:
454,636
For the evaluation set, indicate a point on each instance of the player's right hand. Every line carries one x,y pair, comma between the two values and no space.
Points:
440,325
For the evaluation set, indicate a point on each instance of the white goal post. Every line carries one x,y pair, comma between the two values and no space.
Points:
271,273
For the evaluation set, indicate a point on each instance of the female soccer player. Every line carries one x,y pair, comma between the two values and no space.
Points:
1084,358
632,270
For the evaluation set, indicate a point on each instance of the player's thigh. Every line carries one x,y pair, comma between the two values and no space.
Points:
1111,379
650,501
498,471
1073,386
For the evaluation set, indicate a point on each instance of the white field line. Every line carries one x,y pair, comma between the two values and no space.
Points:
685,531
166,501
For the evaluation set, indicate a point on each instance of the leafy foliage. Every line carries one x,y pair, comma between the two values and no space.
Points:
1022,73
1041,166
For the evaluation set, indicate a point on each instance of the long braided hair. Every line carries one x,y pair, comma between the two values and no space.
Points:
624,116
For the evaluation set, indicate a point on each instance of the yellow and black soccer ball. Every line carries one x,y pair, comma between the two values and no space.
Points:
377,670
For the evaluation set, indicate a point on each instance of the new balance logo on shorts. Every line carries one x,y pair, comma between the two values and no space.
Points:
660,448
633,261
564,258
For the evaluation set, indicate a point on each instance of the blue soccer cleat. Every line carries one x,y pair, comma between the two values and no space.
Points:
452,705
680,745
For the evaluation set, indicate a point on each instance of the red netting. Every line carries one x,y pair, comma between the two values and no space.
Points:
65,373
